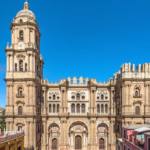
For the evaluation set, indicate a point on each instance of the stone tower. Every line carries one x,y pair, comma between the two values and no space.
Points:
23,78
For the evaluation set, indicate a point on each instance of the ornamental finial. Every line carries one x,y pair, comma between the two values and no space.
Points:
26,5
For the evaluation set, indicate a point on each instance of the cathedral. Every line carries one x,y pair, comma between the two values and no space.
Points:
75,113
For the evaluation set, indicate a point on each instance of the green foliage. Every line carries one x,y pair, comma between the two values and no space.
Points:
2,124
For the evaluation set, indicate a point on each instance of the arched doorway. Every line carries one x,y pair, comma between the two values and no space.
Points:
78,142
53,137
101,144
102,136
54,144
78,136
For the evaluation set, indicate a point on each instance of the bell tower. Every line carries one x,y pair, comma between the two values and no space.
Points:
23,78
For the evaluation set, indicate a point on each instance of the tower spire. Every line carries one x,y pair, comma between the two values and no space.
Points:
26,5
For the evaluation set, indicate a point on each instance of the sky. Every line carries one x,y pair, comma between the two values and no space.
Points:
89,38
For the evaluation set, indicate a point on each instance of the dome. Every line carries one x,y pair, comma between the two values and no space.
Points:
26,12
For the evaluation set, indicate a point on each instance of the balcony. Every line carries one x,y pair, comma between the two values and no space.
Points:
20,95
137,96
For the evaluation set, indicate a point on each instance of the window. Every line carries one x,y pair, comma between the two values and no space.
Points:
15,66
78,142
137,110
19,128
78,108
54,97
137,92
20,110
73,97
83,97
20,92
26,67
57,108
98,108
54,108
101,144
83,108
102,96
21,20
21,35
102,108
78,96
106,108
73,108
21,65
54,144
50,108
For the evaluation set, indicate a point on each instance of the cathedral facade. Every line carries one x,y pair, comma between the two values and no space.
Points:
76,113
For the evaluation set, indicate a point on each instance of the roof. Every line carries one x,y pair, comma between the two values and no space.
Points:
25,12
142,129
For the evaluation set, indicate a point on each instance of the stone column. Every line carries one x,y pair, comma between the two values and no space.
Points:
8,63
28,62
26,143
44,136
123,98
33,65
63,135
92,101
92,135
31,62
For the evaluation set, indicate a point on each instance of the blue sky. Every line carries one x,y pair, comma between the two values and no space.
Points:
89,38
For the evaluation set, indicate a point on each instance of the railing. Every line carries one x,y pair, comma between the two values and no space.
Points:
20,96
137,96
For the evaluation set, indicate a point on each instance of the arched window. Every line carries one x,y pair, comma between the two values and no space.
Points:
106,108
73,97
54,97
19,128
102,108
21,35
78,96
15,66
83,97
73,108
50,108
21,20
83,108
26,67
101,144
21,65
78,142
98,108
54,108
78,108
137,110
20,92
137,92
102,96
54,144
20,111
57,108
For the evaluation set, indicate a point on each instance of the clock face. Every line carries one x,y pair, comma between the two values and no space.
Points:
21,45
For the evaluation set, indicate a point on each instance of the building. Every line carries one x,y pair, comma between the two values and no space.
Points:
135,138
12,141
75,113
